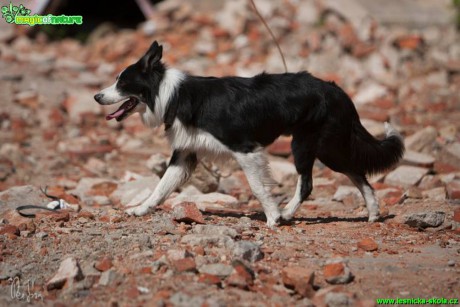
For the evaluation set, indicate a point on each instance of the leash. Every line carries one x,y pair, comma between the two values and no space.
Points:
53,206
271,33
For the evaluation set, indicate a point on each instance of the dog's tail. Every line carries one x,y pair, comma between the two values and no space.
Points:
375,156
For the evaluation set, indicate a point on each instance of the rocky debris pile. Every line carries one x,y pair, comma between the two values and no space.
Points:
208,242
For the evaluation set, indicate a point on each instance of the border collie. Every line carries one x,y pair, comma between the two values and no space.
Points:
237,117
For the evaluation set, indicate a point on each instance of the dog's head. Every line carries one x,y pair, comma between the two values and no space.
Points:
136,87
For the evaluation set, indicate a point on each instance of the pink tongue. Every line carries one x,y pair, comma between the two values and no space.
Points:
115,114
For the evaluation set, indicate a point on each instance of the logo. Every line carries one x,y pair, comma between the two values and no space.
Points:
20,15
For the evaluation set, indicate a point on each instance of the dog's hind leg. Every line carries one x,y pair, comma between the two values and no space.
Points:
179,171
304,150
368,193
255,167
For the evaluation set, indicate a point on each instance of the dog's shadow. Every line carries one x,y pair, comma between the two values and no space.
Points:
260,216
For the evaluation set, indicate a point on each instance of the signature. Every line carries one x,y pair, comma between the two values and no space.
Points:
20,294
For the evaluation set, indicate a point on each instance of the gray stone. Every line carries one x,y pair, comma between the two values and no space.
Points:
41,235
217,269
248,251
406,176
133,193
180,299
204,240
108,277
335,299
438,194
307,12
8,271
408,13
451,154
68,271
215,230
417,158
425,219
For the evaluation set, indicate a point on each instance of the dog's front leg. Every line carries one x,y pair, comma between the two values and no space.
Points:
179,171
255,167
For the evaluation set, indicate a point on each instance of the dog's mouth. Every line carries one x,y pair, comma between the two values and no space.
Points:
124,110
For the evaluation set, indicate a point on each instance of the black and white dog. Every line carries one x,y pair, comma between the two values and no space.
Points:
237,117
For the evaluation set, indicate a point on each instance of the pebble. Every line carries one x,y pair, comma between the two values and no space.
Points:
368,244
205,240
453,189
300,279
406,176
248,251
421,139
218,269
215,230
68,271
337,272
425,219
187,212
108,277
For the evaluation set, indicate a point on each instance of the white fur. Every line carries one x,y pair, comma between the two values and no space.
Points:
168,86
175,176
290,209
255,166
111,95
195,140
372,204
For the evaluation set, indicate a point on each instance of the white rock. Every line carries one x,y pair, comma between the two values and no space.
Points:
406,176
281,169
218,269
68,271
421,139
438,194
204,201
344,191
417,158
425,219
205,240
215,230
369,92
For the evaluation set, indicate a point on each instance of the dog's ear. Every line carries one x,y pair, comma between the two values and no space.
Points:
152,56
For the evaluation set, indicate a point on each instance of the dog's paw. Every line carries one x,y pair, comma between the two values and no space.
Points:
273,220
373,218
137,211
286,215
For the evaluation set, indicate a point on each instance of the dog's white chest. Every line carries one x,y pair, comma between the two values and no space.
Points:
191,139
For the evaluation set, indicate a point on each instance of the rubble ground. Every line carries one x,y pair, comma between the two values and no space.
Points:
208,244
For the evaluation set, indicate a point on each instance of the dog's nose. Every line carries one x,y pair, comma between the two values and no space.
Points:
98,97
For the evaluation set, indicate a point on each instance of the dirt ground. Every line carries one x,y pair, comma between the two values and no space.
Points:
208,244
